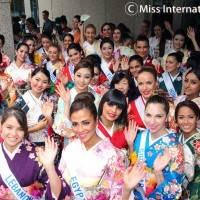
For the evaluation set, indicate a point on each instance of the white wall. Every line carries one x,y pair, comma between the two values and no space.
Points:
100,10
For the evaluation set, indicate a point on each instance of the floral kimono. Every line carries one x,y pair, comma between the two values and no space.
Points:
148,150
191,147
99,170
30,174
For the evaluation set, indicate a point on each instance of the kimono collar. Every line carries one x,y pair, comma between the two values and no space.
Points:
11,155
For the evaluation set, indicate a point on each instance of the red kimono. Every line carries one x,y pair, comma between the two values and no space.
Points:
136,112
117,138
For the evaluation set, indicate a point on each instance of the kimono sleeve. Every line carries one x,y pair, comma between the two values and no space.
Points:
173,174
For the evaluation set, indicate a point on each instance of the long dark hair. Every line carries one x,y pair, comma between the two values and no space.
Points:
118,76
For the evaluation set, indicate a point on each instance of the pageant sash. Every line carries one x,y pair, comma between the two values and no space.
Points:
106,70
50,69
140,106
103,130
71,70
169,85
78,191
10,180
141,153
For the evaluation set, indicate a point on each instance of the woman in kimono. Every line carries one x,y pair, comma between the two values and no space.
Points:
112,115
68,39
171,80
25,174
88,42
75,53
19,70
54,65
83,73
41,55
191,86
187,114
99,174
147,84
124,83
162,152
38,106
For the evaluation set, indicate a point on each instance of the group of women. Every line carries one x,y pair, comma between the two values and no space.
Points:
102,118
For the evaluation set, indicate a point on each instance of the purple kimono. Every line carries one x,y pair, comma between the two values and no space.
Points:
23,163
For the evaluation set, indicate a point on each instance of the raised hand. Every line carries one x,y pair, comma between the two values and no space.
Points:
131,132
115,64
162,160
47,155
124,63
191,33
168,26
47,108
133,175
63,93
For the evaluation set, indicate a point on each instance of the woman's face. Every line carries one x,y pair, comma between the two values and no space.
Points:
82,79
134,68
111,112
12,133
31,45
75,23
157,31
107,51
146,84
142,48
74,56
95,79
39,83
46,43
22,53
84,125
117,35
53,54
67,41
122,86
106,31
172,64
191,85
90,34
187,120
155,117
178,42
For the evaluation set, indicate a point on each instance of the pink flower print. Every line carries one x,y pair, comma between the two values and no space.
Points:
149,153
157,147
31,155
28,148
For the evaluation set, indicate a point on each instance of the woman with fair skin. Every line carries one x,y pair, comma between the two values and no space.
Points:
162,152
171,80
117,38
68,39
83,74
88,42
107,60
112,114
123,82
23,165
19,70
30,41
106,30
41,55
147,84
38,106
75,54
54,65
187,114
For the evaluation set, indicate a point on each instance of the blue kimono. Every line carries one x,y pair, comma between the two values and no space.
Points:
170,188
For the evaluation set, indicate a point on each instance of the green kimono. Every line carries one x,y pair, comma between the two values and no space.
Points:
192,165
177,83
